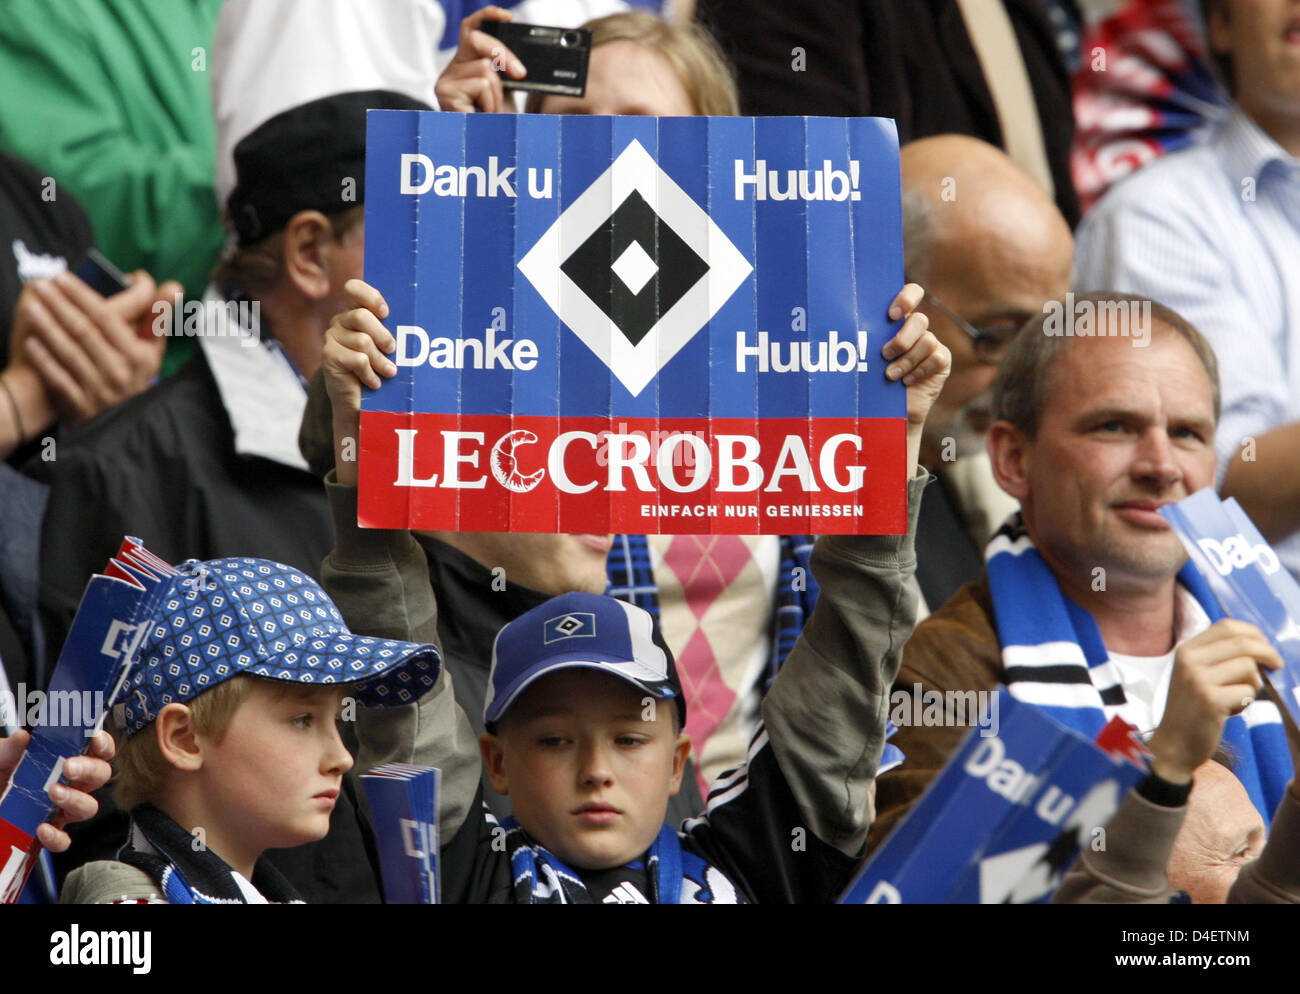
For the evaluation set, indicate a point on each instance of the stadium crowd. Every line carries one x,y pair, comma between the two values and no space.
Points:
734,690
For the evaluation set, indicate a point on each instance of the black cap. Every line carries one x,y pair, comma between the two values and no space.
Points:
299,159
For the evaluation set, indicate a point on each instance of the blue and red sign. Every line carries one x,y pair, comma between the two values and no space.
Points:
102,646
1006,816
634,324
1248,579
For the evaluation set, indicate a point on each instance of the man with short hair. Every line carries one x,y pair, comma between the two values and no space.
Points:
990,247
206,464
1214,231
1087,607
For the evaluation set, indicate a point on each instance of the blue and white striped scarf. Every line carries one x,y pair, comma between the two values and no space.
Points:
1053,657
677,876
192,874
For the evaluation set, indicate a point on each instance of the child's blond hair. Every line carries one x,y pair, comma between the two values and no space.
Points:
140,765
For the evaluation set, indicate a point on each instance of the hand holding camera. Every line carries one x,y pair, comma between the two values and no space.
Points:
495,55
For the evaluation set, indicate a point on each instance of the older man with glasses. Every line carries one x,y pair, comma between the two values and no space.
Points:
991,247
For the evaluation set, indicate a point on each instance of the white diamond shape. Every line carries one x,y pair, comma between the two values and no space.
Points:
635,365
634,267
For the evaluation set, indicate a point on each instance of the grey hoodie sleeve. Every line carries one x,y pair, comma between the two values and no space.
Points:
826,712
379,581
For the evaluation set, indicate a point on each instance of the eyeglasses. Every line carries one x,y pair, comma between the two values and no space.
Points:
990,343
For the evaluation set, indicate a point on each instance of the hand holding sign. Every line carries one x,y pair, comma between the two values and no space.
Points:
1216,675
920,360
84,774
356,351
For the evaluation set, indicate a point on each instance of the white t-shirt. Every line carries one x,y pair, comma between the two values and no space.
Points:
1146,678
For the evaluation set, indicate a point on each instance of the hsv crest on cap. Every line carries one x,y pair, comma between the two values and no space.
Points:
579,630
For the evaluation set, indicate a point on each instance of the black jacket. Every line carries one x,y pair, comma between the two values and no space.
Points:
911,60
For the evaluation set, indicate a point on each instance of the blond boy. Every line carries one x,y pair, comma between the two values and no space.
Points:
231,739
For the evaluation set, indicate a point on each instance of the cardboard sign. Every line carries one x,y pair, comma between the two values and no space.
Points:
103,643
1248,579
634,324
404,812
1004,818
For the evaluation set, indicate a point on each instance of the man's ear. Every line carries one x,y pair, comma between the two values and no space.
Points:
308,241
681,751
177,740
1008,452
494,761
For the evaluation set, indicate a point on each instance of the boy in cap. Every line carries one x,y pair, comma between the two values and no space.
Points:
578,732
231,744
215,468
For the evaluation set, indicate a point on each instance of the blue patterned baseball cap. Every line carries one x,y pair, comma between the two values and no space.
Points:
580,630
227,617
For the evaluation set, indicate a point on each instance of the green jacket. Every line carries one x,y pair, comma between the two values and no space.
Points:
112,98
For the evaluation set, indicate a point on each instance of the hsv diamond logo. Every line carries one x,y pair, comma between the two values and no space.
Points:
638,311
569,626
634,324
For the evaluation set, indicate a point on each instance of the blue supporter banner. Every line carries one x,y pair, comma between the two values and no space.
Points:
1003,820
1247,577
634,324
101,648
404,812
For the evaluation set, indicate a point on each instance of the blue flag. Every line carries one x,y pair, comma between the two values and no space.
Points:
115,613
404,812
1004,818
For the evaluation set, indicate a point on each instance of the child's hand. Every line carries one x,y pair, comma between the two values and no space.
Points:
470,81
920,360
356,347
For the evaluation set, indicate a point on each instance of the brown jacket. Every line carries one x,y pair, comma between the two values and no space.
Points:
955,648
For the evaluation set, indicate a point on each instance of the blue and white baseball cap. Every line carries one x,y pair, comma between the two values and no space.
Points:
228,617
580,630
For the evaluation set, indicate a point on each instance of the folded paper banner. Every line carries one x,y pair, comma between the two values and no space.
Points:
634,324
404,812
102,645
1247,577
1004,818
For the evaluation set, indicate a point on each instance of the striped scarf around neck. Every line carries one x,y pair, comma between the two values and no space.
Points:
1053,656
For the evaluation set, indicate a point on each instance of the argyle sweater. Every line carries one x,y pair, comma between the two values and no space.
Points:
631,578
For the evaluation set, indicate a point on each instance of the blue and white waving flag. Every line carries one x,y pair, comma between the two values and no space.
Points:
1004,818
